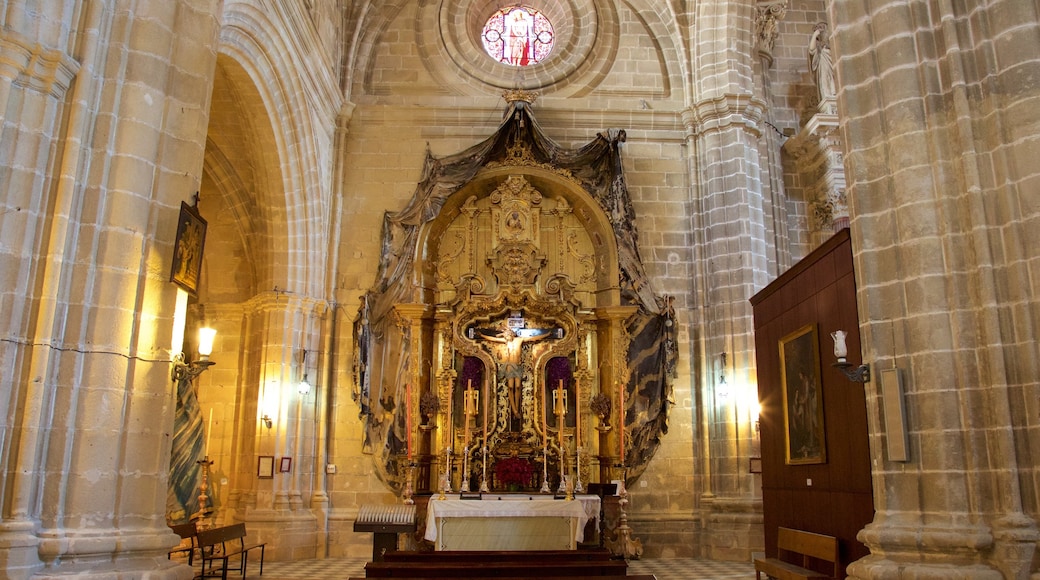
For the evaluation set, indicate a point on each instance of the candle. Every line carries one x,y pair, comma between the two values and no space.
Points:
545,441
621,419
577,415
466,409
451,415
559,421
486,397
209,432
408,417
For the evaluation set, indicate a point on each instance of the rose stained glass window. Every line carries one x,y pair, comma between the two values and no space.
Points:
518,36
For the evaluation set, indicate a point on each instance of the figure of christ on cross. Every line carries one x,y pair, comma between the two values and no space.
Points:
510,358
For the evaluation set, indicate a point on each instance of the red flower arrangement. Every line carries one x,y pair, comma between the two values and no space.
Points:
514,471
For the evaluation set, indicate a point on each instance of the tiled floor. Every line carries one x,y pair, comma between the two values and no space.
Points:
663,569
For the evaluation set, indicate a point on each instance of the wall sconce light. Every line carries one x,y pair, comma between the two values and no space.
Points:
860,374
268,422
187,371
303,387
722,390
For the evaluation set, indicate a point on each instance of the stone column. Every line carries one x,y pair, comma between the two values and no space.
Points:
282,326
768,15
85,481
734,257
944,227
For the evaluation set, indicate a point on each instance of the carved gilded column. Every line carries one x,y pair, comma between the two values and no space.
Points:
411,318
612,343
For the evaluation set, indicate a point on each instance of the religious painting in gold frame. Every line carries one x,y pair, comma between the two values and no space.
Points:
187,249
804,434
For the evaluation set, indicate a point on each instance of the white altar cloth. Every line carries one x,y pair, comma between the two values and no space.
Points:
509,522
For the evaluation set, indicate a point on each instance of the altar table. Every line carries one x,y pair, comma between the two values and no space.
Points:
509,522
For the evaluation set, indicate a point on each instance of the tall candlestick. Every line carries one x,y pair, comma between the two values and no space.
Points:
621,420
486,397
209,432
577,415
408,418
451,417
545,441
467,410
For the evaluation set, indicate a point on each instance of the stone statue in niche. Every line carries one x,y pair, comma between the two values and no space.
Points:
821,63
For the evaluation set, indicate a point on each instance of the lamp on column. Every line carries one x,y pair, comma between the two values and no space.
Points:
860,374
304,386
187,371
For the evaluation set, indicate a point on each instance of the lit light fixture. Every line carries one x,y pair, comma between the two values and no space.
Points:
268,422
187,371
860,374
303,387
206,336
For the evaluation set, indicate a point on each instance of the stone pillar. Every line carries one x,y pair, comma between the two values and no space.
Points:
276,420
944,226
734,259
88,243
35,77
768,15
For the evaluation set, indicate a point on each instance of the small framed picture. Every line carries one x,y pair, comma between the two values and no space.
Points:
285,465
187,249
755,465
265,467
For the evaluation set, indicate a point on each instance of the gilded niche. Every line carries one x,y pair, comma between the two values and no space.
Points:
516,238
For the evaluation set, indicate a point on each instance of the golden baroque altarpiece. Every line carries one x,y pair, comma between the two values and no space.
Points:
510,317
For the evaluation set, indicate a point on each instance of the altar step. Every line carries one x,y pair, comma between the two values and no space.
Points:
501,565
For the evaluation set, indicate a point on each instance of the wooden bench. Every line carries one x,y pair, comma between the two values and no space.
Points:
222,545
793,543
186,532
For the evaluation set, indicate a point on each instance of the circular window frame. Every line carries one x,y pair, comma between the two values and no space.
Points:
503,14
586,39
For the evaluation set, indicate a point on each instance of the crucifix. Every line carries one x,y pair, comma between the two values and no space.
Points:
510,357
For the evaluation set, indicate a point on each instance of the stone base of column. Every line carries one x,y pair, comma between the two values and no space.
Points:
289,534
18,549
343,541
734,528
95,554
937,552
880,568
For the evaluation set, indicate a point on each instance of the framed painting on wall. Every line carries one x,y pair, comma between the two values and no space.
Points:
265,467
803,397
187,249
